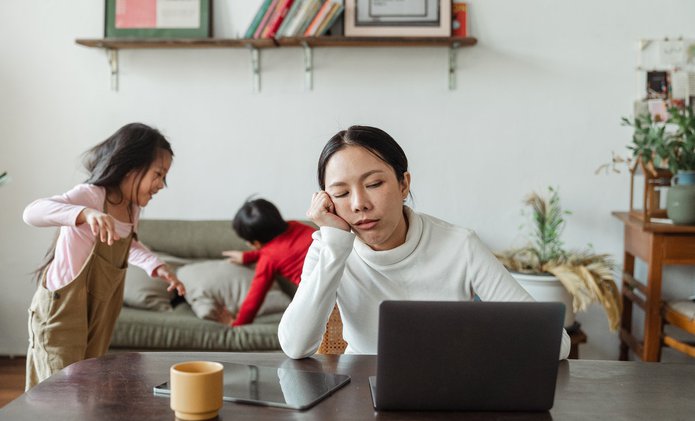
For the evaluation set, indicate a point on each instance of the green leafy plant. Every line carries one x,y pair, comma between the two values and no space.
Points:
649,140
587,276
4,178
680,145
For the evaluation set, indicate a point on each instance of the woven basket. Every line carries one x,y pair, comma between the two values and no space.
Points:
333,342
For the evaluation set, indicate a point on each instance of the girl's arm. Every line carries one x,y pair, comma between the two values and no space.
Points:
492,282
142,257
64,209
303,323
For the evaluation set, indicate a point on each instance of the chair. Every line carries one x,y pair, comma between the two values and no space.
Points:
681,314
333,342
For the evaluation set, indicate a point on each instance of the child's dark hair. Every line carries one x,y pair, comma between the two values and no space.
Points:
133,147
258,220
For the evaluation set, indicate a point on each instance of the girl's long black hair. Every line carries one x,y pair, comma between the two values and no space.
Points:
133,147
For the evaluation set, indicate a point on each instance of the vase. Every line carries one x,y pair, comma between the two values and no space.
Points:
546,287
683,178
680,204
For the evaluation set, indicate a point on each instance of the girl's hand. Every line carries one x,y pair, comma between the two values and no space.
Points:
234,256
102,225
322,212
167,275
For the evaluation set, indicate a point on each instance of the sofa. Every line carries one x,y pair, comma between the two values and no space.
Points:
153,319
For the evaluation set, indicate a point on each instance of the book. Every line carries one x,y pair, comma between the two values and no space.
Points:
332,16
314,25
257,19
276,20
293,27
271,18
264,21
311,13
282,30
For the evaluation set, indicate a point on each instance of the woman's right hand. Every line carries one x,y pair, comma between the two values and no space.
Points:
322,212
102,225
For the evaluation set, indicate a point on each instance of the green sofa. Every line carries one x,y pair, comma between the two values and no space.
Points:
178,329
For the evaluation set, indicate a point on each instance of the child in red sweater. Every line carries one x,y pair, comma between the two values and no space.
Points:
279,249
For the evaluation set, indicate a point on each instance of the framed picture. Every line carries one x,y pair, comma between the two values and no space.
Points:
158,19
398,18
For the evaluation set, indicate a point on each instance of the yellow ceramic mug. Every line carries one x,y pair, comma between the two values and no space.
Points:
196,389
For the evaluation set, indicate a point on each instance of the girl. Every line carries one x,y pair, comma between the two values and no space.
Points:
80,285
371,248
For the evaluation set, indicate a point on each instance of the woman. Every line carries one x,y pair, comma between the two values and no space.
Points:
371,248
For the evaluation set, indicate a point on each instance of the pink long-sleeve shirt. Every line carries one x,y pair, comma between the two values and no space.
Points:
75,242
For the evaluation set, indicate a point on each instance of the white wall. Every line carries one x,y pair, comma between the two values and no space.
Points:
539,101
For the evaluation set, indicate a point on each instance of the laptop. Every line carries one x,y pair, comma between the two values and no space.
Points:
467,356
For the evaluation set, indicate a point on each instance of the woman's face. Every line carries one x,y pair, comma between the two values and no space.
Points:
368,196
145,185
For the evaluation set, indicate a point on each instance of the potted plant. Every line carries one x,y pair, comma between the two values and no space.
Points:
680,156
551,273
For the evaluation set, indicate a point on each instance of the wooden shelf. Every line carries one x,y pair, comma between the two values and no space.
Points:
113,45
135,43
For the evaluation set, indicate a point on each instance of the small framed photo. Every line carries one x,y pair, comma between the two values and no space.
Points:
398,18
158,19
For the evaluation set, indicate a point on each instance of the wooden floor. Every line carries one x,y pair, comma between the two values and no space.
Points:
11,378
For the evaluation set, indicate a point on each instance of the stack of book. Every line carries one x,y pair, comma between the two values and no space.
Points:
294,18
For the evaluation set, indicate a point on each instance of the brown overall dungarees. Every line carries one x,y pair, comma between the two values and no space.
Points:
76,321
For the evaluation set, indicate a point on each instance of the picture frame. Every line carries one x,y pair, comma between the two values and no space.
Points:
397,18
158,19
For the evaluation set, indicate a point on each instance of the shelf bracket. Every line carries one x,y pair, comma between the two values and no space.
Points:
112,55
308,67
452,65
255,67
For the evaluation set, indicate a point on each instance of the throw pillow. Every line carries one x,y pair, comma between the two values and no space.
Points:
147,293
212,284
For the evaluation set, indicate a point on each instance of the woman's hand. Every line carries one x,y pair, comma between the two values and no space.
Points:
167,275
234,256
102,225
322,212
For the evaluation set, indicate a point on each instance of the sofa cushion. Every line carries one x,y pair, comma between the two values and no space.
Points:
212,284
179,329
147,293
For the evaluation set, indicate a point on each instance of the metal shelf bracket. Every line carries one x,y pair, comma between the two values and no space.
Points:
112,55
255,67
452,65
308,67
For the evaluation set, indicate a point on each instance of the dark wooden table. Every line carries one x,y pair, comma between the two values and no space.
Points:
657,245
119,387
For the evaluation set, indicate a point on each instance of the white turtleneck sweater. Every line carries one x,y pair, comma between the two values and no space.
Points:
437,262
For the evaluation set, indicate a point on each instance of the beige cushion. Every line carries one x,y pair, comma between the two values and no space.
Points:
147,293
215,283
684,307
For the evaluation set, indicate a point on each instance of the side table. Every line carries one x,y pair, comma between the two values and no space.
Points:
657,245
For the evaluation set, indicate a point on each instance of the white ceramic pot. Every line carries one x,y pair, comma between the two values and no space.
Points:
547,288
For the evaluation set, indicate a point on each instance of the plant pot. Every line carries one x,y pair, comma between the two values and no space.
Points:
546,287
680,204
683,178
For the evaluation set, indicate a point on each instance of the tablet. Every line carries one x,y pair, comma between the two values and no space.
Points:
272,386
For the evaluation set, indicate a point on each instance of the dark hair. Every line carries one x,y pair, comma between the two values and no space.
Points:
133,147
376,141
258,220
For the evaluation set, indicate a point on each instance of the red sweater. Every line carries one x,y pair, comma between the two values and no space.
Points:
283,255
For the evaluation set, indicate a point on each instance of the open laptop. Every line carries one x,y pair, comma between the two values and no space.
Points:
470,356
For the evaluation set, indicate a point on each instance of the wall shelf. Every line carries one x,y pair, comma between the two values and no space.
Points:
255,45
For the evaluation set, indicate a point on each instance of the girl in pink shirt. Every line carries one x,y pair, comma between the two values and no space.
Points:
80,284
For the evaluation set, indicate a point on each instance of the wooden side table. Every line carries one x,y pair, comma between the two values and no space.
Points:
657,245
